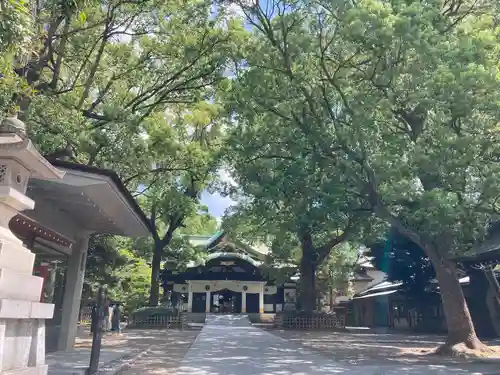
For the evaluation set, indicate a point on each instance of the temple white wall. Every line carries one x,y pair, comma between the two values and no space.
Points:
212,286
198,286
360,286
238,286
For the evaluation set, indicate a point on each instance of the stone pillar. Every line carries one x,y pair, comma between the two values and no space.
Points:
75,273
243,302
190,298
22,316
261,301
207,301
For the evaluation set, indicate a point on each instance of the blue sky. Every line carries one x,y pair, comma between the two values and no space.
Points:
216,203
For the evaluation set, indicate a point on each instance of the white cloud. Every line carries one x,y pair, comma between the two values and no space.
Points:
235,10
232,9
216,203
225,176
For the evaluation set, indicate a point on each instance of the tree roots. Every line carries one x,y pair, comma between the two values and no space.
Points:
467,349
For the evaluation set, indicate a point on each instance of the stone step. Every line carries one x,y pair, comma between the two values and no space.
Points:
16,309
19,286
16,258
68,371
194,317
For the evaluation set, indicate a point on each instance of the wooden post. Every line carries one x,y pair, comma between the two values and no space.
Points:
97,333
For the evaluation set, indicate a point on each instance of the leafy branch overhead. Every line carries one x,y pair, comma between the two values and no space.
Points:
336,119
103,72
394,104
131,86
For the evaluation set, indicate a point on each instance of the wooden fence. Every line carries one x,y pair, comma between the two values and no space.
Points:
312,321
157,321
85,315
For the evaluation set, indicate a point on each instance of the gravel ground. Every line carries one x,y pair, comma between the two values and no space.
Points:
228,345
373,348
164,358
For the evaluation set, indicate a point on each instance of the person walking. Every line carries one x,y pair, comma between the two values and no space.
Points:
115,320
93,318
106,318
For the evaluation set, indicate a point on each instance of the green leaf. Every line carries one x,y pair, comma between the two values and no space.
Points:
82,16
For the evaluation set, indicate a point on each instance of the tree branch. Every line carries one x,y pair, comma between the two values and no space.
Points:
154,171
324,251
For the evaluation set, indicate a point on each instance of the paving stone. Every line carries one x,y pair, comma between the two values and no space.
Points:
230,345
163,358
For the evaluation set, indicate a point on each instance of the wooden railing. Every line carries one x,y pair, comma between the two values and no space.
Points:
85,315
157,321
309,321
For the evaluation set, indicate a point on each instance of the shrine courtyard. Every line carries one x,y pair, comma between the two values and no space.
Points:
230,345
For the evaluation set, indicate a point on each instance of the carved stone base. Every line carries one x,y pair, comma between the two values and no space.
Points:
22,316
39,370
22,345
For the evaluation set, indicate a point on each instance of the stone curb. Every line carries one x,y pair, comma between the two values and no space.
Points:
483,360
121,364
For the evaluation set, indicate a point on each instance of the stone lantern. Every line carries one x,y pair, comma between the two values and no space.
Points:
22,316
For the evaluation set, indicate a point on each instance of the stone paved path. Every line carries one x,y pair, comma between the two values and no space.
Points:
164,358
229,345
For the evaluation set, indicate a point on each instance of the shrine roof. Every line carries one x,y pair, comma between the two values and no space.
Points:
220,266
86,199
486,251
221,241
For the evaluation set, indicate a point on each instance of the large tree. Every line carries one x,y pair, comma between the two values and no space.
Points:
183,152
127,85
16,33
406,262
103,72
403,99
288,203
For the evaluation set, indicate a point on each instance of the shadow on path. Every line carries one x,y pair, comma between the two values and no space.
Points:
367,348
229,345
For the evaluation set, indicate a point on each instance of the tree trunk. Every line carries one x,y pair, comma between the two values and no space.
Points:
307,281
332,298
458,320
154,292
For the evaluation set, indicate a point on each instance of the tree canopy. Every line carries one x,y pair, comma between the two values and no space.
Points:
400,98
112,262
126,85
336,118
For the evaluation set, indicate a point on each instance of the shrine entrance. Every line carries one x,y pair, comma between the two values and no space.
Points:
199,302
253,304
226,301
226,283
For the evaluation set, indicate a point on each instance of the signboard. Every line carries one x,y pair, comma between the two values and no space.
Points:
43,272
290,299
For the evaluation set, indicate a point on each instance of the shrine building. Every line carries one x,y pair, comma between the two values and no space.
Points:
233,278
